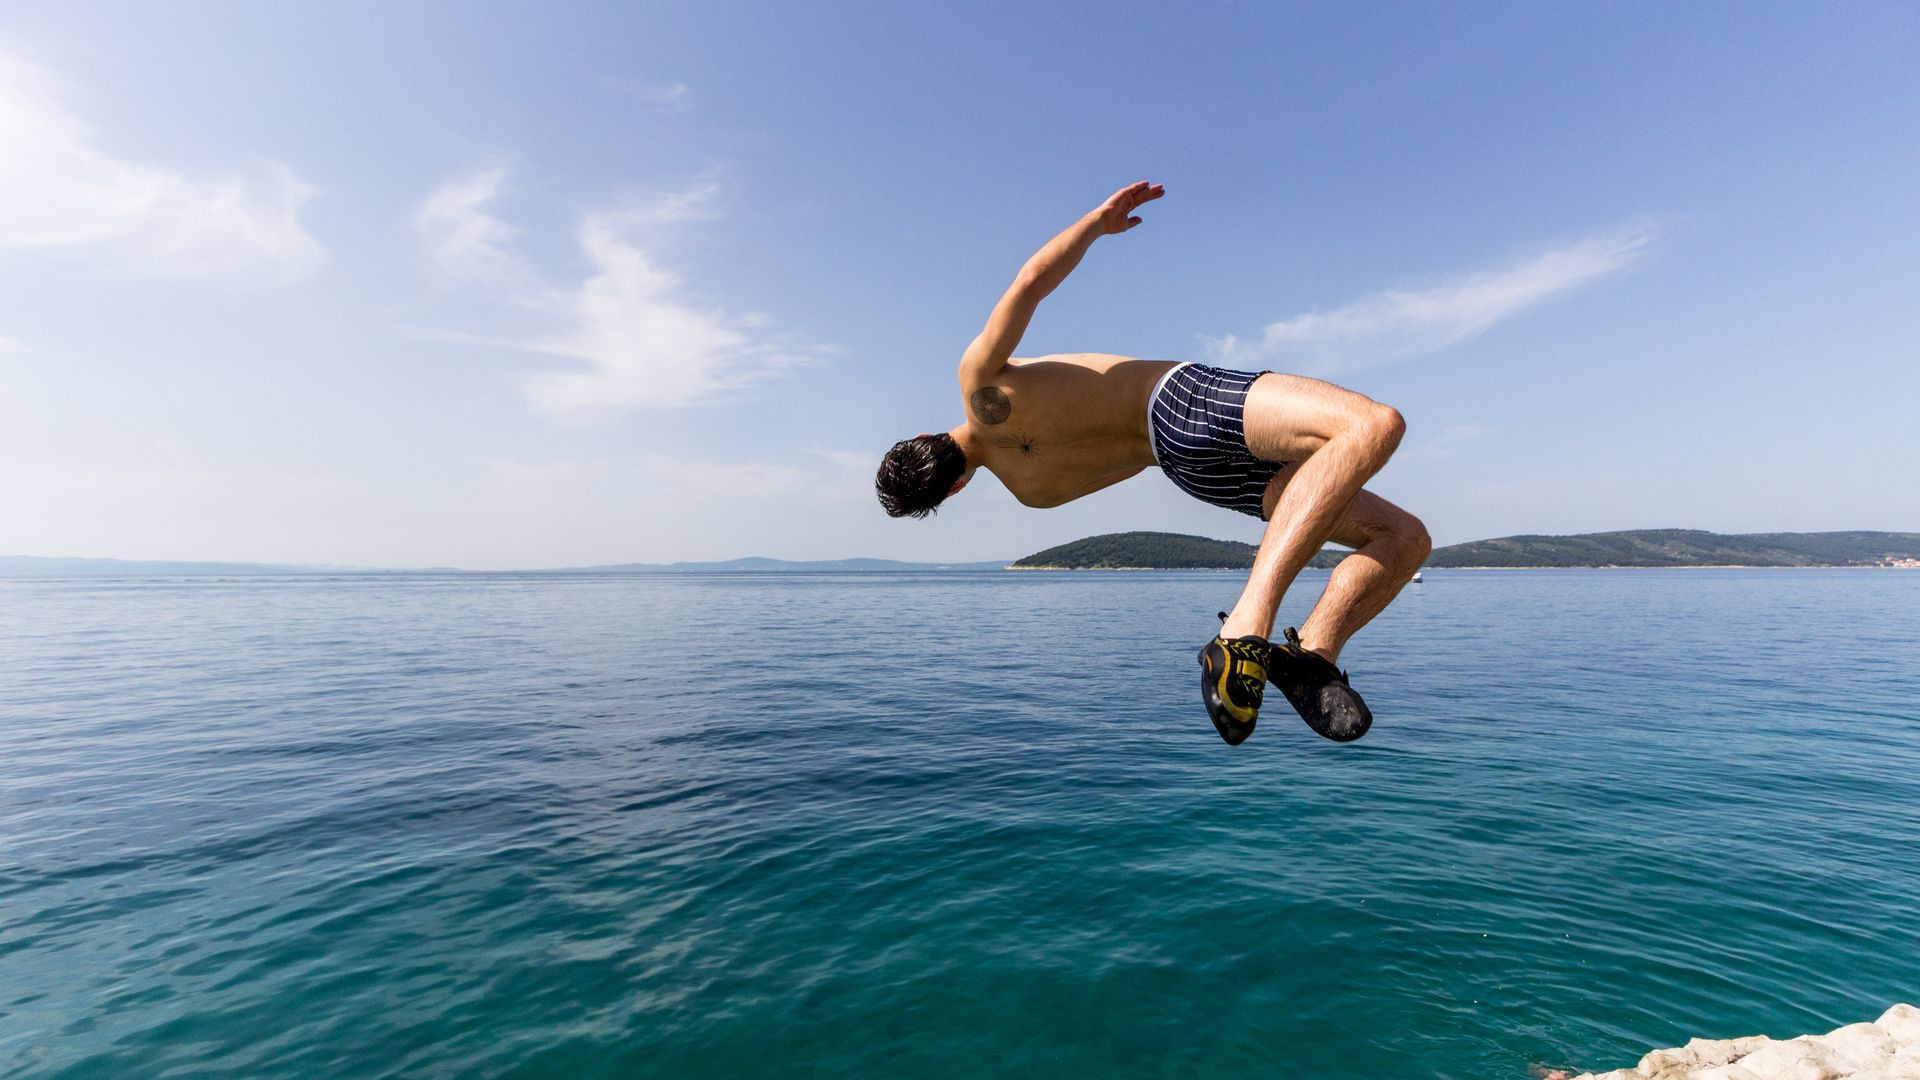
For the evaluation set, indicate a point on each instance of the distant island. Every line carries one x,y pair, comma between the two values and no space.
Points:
1151,551
1687,547
31,566
1632,547
757,565
1158,551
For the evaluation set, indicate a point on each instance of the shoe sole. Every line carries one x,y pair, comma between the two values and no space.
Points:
1232,732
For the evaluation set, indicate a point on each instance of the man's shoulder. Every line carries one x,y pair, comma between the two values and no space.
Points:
1092,361
1082,358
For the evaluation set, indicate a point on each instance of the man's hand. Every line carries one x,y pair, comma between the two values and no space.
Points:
1116,213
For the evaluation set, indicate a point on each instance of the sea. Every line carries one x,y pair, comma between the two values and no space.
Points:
941,825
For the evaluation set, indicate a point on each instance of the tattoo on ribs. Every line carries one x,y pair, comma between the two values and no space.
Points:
1022,443
990,405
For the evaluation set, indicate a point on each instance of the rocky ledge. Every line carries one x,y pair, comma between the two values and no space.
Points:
1887,1049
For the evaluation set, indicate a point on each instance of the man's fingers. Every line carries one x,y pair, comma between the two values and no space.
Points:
1135,194
1129,198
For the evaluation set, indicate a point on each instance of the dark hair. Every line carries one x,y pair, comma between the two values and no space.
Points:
917,473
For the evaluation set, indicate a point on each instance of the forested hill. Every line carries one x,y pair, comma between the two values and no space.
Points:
1685,547
1634,547
1149,551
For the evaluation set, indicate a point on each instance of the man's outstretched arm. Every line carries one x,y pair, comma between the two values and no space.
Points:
1042,274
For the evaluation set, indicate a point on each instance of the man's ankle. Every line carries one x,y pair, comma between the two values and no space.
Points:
1324,650
1238,626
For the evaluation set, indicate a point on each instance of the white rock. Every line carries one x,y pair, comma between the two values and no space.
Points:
1725,1072
1887,1049
1708,1053
1902,1023
1892,1070
1792,1059
1661,1063
1857,1046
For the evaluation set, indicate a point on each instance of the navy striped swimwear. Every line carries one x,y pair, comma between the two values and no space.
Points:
1194,417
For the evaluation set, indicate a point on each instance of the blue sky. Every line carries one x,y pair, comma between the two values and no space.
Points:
498,285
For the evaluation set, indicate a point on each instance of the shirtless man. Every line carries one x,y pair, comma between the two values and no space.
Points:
1290,450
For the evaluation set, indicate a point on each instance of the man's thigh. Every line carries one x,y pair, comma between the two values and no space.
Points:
1366,518
1288,417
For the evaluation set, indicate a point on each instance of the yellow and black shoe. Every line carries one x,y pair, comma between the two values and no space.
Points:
1233,677
1318,691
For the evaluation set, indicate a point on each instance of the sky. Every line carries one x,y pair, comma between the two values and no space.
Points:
514,285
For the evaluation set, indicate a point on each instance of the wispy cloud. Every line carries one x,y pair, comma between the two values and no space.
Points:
634,337
1449,443
668,97
689,480
1396,324
61,193
468,244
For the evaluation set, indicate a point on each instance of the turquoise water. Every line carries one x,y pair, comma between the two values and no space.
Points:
939,826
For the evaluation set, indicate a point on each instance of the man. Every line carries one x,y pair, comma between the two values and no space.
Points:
1290,450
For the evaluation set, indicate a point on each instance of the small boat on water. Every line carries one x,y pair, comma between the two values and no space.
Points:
1416,577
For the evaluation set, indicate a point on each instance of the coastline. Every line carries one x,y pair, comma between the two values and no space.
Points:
1687,566
1076,569
1596,566
1886,1049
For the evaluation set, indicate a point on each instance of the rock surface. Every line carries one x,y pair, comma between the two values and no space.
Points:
1887,1049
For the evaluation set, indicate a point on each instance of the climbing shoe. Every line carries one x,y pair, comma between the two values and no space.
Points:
1233,676
1318,691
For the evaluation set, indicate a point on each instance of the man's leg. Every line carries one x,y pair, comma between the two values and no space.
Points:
1340,439
1389,547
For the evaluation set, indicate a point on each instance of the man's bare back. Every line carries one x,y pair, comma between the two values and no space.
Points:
1055,428
1291,450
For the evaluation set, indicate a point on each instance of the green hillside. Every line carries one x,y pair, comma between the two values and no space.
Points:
1684,547
1633,547
1149,550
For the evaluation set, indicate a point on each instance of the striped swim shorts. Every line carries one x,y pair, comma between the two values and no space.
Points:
1194,418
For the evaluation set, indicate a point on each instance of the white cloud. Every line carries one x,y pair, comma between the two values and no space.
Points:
1397,324
668,97
671,95
660,507
468,244
1449,443
696,485
61,193
632,337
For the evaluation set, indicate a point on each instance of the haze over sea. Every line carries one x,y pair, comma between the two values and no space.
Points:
940,825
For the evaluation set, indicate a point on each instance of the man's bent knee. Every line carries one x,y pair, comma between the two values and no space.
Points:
1386,426
1406,544
1419,544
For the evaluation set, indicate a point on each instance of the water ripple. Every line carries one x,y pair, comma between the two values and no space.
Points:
519,825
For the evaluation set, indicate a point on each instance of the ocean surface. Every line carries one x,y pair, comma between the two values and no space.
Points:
941,826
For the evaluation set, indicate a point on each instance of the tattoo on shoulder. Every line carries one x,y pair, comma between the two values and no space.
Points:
990,405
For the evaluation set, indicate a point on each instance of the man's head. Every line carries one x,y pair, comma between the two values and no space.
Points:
919,473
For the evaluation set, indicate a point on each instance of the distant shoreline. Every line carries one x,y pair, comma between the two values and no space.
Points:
797,571
1687,566
1445,569
1636,549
